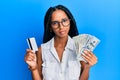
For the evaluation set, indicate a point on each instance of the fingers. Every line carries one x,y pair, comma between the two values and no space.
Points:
29,50
30,56
90,54
89,57
31,59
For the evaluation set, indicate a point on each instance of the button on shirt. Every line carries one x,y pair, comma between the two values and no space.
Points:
52,69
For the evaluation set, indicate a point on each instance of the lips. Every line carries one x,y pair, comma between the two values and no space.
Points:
62,32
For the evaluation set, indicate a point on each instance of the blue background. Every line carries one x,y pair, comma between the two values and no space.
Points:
20,19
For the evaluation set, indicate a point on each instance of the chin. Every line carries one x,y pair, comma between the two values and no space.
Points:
63,36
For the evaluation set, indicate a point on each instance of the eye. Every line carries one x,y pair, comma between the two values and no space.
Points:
64,20
54,22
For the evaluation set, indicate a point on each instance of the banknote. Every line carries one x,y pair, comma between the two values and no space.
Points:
85,42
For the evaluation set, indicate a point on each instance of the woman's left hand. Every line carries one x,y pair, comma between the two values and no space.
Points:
90,58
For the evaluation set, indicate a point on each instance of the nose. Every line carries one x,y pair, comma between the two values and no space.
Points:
60,25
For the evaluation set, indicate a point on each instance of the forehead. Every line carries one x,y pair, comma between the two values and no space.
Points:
58,15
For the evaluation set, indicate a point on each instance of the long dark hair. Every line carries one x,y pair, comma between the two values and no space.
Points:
47,23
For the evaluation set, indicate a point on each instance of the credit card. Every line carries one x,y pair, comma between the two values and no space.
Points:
32,44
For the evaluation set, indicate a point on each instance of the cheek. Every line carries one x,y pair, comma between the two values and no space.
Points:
68,29
54,31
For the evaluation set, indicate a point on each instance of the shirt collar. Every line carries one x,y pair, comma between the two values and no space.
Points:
70,43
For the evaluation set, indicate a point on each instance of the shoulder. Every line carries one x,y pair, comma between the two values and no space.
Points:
47,44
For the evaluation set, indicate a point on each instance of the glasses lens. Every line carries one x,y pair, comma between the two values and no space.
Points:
56,24
65,22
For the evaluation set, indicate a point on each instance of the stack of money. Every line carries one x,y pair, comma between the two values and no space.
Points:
85,42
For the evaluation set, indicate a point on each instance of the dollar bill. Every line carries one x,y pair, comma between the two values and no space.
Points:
85,42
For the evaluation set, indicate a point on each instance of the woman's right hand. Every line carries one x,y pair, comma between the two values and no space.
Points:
31,59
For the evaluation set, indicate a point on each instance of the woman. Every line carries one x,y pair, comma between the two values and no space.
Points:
56,58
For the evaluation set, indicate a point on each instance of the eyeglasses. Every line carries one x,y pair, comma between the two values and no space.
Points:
56,24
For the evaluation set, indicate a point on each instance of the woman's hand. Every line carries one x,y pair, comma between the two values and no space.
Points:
31,60
90,58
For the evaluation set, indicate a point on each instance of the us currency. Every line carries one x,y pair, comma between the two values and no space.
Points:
85,42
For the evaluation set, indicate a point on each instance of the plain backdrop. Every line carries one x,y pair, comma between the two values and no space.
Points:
20,19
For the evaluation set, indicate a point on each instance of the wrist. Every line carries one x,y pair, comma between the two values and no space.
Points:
33,68
87,67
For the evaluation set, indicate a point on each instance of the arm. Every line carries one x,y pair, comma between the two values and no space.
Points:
34,62
84,71
39,61
35,75
91,60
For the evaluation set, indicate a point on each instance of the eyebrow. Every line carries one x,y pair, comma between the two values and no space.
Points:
61,19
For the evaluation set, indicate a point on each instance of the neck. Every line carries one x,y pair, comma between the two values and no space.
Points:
60,42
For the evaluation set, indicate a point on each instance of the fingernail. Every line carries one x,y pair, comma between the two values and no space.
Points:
83,54
85,51
27,49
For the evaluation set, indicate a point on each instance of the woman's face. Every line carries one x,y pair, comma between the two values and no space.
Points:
60,23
